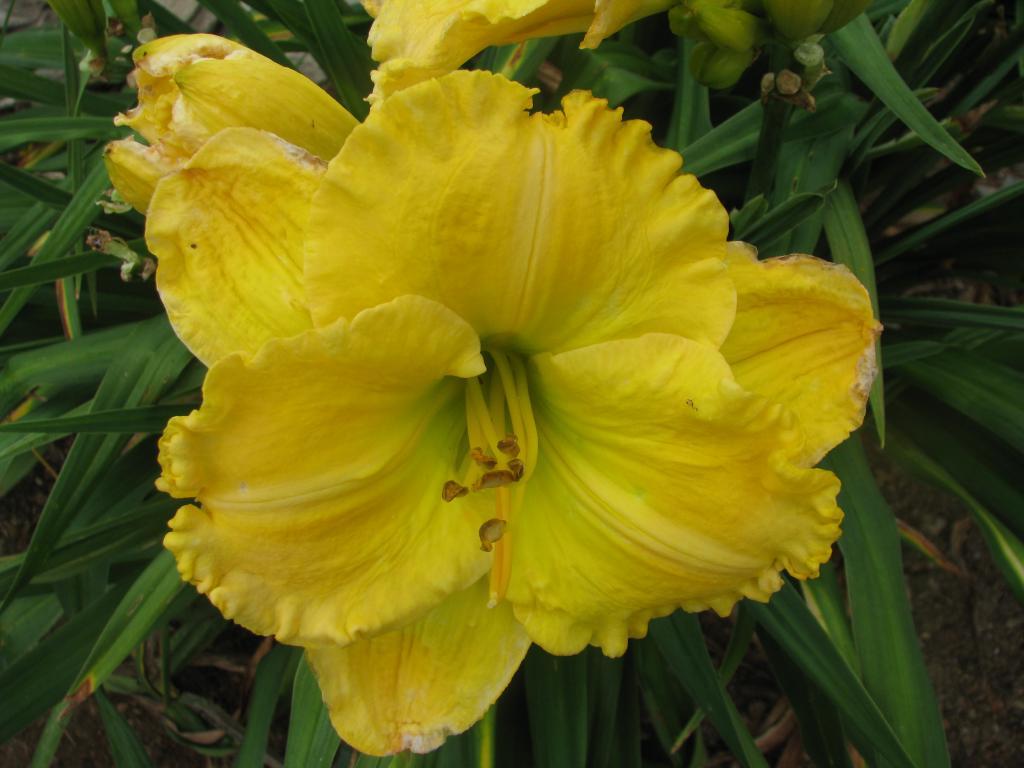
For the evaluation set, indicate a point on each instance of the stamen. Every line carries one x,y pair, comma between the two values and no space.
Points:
453,490
517,468
491,533
530,426
481,458
504,371
494,478
509,445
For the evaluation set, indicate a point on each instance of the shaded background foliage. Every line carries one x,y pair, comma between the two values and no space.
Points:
884,177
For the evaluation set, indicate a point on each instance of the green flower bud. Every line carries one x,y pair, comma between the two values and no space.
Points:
843,12
719,67
86,20
718,22
796,19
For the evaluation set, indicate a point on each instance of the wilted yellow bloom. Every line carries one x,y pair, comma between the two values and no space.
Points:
192,86
415,40
488,378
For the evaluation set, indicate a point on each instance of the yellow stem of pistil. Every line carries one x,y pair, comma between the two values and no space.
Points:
501,566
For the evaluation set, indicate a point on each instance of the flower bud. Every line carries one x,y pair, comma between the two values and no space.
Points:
796,19
86,20
715,22
843,12
719,67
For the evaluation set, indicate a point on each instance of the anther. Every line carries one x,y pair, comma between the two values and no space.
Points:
491,533
481,458
509,445
517,468
452,490
495,478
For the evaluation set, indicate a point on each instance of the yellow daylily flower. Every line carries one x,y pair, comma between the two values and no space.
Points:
415,41
192,86
491,377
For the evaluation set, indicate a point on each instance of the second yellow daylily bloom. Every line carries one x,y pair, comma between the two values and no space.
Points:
415,41
488,378
192,86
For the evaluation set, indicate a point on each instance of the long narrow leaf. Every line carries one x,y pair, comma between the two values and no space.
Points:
883,627
861,50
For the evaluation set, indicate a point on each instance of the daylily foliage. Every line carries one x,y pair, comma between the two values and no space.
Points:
485,379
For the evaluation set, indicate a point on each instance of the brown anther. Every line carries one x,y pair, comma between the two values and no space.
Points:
509,445
495,478
490,533
452,490
481,458
516,467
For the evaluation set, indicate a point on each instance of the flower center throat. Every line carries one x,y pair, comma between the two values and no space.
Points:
502,455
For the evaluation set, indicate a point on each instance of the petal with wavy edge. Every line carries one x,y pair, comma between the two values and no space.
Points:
319,465
660,483
192,86
416,41
545,232
411,688
227,230
804,336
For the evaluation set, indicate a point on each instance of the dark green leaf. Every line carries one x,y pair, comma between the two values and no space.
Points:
556,695
861,50
266,688
790,623
312,741
681,642
891,663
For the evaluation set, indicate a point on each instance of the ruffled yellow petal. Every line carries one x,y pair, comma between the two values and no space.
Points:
319,465
411,688
192,86
545,232
416,41
660,483
804,336
227,231
134,170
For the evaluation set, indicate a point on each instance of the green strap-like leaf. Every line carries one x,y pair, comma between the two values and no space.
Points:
950,313
344,55
152,418
125,747
986,391
133,619
151,358
681,641
788,620
861,50
556,695
266,688
312,741
891,663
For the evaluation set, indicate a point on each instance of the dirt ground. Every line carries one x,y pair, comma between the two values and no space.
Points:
971,629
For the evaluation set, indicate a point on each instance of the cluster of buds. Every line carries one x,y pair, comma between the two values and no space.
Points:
730,33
